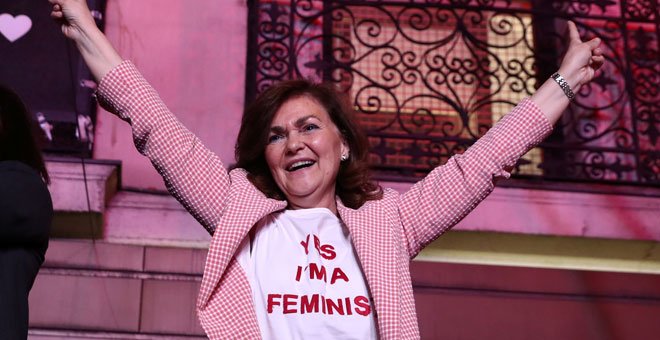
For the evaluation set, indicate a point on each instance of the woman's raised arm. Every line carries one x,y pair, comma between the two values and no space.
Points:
192,173
79,26
450,192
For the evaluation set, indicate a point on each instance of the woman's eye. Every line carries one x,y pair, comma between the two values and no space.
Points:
274,138
310,127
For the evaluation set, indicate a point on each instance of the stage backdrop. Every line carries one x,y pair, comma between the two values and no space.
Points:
39,63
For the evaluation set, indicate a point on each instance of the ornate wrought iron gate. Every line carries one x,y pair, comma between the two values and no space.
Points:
430,77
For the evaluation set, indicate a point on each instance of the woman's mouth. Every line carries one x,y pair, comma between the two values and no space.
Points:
299,165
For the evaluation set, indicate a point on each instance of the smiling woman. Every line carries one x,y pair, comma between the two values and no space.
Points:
272,125
303,154
304,244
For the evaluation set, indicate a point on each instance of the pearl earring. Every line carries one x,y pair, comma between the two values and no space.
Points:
344,157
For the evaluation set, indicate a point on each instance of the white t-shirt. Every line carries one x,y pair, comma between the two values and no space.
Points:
305,277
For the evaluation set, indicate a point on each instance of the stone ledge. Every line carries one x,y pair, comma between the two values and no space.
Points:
67,186
154,220
563,213
540,251
80,191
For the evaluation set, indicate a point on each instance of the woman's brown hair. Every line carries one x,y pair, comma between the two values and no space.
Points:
354,185
18,133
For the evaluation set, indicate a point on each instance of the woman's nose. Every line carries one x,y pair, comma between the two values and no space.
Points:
294,143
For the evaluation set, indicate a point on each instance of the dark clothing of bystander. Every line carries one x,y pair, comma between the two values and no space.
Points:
26,211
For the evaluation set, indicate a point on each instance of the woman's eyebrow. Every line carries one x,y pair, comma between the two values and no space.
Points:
277,129
299,122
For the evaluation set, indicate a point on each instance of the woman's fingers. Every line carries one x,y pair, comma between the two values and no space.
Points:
57,8
56,12
573,33
593,43
597,59
56,15
597,62
57,4
582,59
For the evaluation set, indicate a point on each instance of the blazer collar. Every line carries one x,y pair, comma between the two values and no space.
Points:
374,242
248,205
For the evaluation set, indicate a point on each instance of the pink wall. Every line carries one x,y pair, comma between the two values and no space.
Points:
193,53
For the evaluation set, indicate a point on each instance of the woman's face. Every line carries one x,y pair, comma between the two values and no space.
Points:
303,151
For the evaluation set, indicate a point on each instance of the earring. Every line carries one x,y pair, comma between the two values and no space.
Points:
344,157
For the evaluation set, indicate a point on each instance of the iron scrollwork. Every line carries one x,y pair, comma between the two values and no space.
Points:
430,77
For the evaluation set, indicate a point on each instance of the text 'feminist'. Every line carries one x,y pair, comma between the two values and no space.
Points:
317,303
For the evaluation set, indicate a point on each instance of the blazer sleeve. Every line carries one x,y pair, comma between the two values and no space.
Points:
449,192
193,174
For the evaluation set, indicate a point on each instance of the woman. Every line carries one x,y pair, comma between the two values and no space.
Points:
25,213
304,245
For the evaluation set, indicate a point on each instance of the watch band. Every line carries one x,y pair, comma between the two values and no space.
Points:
564,85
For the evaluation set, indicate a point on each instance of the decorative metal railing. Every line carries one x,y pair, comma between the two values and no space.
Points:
430,77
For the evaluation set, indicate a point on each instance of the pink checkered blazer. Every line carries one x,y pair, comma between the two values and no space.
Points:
386,233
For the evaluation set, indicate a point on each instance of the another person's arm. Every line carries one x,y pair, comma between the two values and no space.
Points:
450,192
192,173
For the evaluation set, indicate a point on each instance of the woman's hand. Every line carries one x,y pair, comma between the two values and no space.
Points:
75,18
79,26
582,59
580,63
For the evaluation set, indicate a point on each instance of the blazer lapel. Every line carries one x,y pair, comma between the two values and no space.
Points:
247,206
374,244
